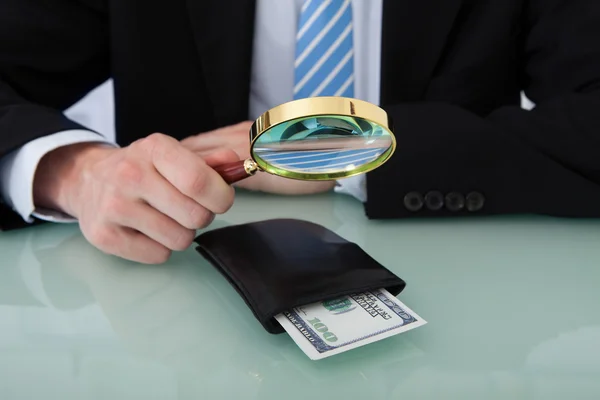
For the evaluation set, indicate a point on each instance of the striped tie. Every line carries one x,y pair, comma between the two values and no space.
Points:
324,64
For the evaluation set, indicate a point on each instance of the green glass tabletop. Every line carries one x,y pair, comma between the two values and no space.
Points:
512,304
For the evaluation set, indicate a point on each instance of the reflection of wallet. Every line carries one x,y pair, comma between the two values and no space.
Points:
279,264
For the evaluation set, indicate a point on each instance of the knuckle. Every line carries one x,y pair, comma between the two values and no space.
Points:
113,207
199,217
101,237
160,255
170,155
227,198
196,184
154,139
182,239
149,143
128,172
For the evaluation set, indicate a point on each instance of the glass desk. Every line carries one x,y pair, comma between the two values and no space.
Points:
513,306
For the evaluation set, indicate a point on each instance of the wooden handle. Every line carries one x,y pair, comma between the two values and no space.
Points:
233,172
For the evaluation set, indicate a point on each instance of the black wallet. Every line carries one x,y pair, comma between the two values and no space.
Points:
279,264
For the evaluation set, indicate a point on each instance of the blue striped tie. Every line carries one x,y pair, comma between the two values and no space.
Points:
324,64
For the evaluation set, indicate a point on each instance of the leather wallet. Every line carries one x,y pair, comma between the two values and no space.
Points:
279,264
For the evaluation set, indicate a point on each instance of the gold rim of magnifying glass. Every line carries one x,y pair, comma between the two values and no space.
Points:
316,106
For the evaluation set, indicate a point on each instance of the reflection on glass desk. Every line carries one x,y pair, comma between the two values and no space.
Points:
512,305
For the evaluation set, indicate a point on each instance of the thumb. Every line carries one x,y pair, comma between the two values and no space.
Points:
220,157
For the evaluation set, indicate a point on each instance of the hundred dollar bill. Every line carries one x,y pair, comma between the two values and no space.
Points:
331,327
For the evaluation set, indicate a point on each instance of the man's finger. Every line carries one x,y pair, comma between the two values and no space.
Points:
132,245
220,157
190,174
161,195
222,137
155,225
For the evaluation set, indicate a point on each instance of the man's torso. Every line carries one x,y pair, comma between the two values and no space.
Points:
184,67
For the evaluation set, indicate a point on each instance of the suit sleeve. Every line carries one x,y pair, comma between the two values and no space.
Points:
451,162
512,161
51,55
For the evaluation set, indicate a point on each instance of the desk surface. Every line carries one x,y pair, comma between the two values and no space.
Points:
512,305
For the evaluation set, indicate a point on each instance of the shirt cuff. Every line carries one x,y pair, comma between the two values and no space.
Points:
17,172
355,186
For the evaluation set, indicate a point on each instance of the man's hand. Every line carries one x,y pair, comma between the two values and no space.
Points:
237,138
141,202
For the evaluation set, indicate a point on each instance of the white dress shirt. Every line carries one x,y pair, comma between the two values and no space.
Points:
272,84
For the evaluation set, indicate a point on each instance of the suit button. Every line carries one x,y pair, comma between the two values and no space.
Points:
455,201
434,200
475,201
413,201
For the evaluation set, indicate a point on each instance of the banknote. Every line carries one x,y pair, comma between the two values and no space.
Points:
331,327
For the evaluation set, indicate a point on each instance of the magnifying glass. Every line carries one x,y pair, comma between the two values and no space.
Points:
316,138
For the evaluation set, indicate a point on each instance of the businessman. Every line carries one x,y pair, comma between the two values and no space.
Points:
190,74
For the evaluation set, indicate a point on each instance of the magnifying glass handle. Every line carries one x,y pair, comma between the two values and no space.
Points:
237,171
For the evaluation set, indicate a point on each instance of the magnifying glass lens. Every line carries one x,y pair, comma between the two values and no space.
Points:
322,147
317,138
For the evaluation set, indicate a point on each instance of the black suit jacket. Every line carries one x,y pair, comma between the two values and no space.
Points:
452,72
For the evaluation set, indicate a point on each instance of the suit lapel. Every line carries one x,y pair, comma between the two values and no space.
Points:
224,32
413,37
